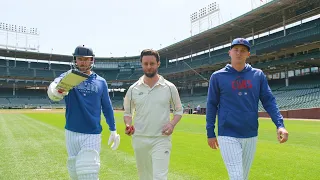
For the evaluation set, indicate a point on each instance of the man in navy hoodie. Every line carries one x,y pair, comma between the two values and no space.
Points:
234,93
83,129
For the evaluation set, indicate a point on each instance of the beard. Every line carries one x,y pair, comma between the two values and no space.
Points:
83,68
151,74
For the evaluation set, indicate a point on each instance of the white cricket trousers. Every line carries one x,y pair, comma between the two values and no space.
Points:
238,155
152,156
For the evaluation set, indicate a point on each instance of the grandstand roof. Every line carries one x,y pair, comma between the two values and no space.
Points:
53,57
262,19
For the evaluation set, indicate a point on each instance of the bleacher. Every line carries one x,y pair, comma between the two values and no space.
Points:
299,94
302,93
294,35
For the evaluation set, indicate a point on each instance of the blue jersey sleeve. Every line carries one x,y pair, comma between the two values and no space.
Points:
269,102
107,108
212,106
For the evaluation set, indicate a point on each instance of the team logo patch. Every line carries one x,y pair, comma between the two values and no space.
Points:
87,87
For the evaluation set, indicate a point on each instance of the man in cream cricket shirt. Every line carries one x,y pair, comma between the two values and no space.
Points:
148,102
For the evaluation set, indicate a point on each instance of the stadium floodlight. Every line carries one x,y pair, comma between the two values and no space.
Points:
193,16
18,29
19,33
205,16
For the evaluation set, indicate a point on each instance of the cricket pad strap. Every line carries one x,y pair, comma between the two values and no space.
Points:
71,164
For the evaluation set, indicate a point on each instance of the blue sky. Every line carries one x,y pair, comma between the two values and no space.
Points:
112,28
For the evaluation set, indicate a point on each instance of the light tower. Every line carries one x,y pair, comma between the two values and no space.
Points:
206,18
19,37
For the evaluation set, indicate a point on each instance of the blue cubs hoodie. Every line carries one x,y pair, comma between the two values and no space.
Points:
235,96
84,104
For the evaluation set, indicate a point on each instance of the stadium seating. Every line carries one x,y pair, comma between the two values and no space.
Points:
294,35
301,93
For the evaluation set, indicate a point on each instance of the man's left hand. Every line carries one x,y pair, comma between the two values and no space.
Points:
114,138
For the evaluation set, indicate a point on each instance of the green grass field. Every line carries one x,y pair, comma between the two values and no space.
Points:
32,147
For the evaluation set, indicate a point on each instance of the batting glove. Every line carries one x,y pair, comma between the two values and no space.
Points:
55,94
114,138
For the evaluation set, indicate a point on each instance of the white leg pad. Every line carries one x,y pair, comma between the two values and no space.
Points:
71,164
88,164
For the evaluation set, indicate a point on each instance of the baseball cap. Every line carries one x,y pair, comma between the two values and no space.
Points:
241,41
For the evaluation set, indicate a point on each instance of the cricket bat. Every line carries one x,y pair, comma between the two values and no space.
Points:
71,79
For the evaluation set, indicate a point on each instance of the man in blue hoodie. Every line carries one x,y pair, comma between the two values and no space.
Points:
234,93
83,115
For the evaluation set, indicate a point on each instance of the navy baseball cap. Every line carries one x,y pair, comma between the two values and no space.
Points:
241,41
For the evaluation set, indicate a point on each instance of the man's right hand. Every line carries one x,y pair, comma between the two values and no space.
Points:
129,129
213,143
